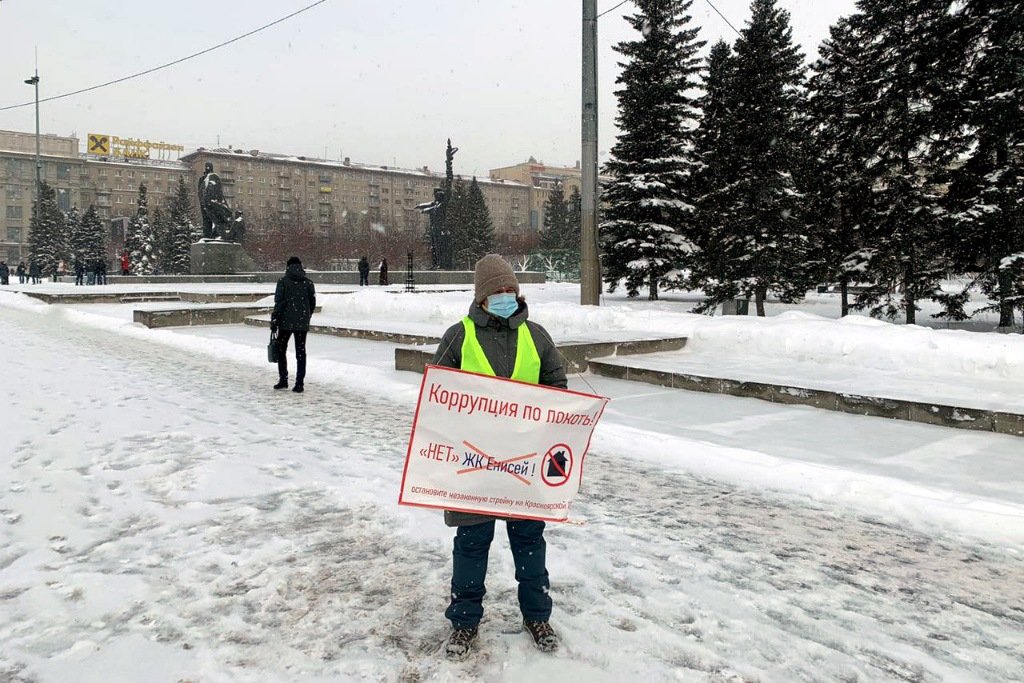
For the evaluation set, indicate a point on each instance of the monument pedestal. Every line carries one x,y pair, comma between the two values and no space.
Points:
216,257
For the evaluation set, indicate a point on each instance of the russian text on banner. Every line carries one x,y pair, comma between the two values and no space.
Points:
495,446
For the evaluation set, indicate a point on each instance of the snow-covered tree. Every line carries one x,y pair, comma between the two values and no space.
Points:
182,231
75,236
649,213
481,228
141,241
986,197
717,169
47,243
93,238
902,51
760,240
556,215
838,185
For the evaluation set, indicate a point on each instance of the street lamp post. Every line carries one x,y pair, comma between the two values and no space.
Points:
35,81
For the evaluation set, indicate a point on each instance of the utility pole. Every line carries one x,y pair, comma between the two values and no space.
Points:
590,278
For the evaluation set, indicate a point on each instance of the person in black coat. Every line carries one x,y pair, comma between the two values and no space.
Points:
5,273
364,271
383,271
79,272
294,302
35,272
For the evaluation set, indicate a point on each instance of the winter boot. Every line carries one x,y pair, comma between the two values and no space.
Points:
298,389
282,383
460,644
543,635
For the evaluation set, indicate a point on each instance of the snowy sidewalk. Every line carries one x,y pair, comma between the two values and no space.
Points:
165,511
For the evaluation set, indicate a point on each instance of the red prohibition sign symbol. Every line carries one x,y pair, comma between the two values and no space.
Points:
556,466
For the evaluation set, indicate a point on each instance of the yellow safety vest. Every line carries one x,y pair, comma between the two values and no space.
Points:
527,368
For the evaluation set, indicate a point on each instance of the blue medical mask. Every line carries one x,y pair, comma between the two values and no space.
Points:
502,305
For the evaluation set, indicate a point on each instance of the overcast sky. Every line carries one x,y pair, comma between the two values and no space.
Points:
380,81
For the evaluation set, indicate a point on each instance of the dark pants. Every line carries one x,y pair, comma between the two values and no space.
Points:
364,279
469,569
300,354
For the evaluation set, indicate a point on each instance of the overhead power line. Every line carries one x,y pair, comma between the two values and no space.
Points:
612,9
723,17
176,61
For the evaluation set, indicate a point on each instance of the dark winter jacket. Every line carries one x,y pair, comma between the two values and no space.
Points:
364,267
35,270
499,338
294,300
5,271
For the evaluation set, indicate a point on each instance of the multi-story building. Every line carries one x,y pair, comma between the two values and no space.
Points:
261,184
109,184
341,193
541,179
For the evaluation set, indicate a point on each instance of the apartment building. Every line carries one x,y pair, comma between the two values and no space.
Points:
541,179
263,185
109,184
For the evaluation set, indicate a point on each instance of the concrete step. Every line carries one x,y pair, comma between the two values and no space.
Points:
913,411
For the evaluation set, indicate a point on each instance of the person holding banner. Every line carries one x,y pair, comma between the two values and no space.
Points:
496,339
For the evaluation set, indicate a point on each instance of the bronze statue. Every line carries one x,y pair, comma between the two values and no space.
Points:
216,213
438,235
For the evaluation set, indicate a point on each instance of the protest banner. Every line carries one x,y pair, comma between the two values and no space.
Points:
496,446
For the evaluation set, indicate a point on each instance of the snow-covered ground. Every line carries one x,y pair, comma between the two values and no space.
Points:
166,516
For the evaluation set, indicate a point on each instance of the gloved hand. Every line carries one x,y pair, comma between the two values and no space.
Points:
273,323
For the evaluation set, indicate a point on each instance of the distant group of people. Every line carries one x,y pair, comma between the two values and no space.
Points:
364,271
33,273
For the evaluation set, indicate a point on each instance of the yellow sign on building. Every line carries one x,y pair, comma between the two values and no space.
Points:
98,144
129,148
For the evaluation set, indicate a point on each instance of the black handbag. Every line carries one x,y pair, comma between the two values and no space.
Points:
272,347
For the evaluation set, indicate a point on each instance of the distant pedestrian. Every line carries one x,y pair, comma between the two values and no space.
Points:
20,270
383,271
79,272
5,273
294,302
364,271
126,264
101,272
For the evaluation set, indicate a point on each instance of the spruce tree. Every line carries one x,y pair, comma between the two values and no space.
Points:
985,235
46,231
182,231
75,236
94,238
837,178
574,221
456,222
764,236
141,240
718,169
556,214
902,52
161,241
649,214
481,228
